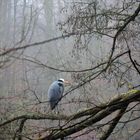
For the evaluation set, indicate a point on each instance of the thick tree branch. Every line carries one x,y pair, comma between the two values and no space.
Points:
36,117
115,104
95,114
130,96
113,124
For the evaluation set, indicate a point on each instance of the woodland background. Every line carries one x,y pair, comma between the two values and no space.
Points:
95,44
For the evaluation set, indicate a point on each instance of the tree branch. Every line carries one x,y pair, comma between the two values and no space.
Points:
133,63
36,117
113,124
132,18
19,131
35,44
115,104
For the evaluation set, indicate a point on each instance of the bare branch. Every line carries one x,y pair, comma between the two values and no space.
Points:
132,18
35,44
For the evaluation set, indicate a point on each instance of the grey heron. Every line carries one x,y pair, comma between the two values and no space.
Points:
55,92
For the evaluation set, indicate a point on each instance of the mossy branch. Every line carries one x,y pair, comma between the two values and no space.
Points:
117,103
95,114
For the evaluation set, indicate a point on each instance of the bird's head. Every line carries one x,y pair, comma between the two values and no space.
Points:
61,80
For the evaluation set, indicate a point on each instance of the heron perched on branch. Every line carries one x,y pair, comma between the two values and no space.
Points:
55,92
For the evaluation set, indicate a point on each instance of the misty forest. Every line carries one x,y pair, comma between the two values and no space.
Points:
92,44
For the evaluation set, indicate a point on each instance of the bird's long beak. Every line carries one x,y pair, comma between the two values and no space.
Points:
67,82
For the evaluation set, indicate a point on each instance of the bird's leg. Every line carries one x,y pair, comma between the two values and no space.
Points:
59,121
